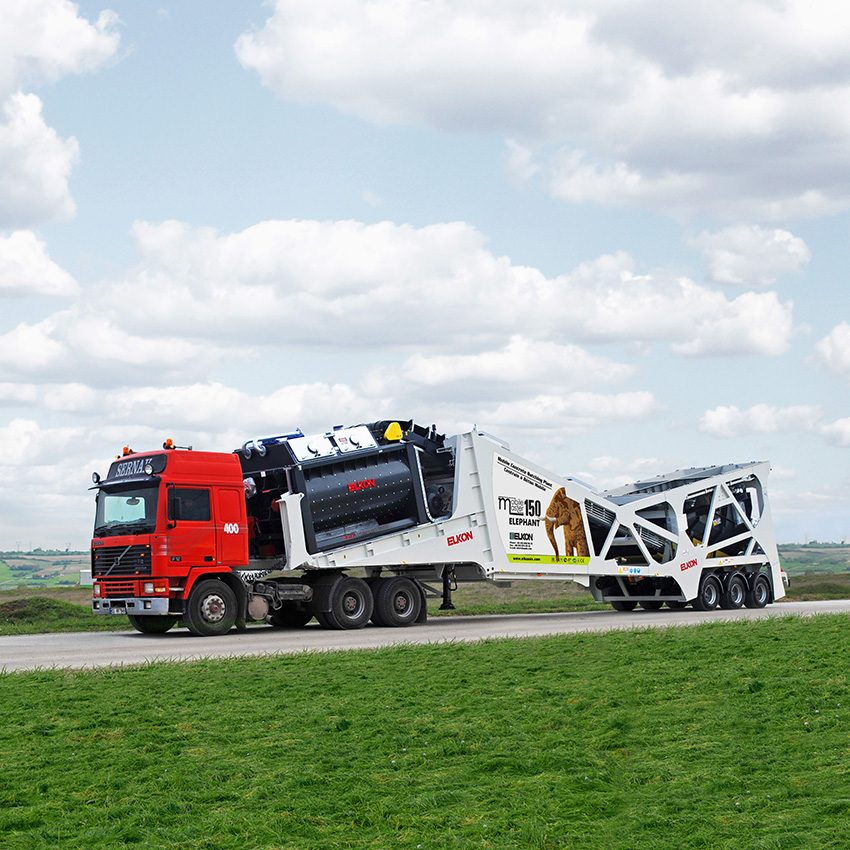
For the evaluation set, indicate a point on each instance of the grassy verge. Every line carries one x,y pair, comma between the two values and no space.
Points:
718,736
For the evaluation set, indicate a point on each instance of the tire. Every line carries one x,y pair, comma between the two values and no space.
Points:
323,621
152,624
623,605
351,604
708,597
759,596
288,616
676,604
735,593
211,609
651,604
398,602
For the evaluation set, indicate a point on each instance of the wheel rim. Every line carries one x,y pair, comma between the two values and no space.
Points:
401,603
736,593
710,595
213,608
352,604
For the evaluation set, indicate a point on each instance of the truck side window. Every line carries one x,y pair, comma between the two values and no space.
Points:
188,504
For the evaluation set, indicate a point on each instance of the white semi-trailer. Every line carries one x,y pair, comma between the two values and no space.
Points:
366,522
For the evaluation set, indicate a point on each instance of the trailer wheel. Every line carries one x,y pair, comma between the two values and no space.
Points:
734,595
351,604
708,597
152,624
398,602
759,596
623,605
651,604
677,604
211,609
289,617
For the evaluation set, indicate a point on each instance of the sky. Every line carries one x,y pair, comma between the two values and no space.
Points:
614,233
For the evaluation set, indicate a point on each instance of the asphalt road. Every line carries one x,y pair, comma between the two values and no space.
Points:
103,649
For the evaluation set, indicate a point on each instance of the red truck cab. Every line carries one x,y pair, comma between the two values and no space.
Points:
170,529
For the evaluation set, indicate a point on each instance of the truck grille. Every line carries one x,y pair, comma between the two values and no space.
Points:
118,588
121,561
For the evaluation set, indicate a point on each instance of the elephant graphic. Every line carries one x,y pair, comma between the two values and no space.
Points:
565,513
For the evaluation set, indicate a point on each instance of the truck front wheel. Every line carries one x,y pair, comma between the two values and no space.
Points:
152,624
211,609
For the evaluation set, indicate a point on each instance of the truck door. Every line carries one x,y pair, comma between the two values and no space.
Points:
231,527
191,539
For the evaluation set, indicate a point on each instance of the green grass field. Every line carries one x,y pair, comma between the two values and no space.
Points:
716,736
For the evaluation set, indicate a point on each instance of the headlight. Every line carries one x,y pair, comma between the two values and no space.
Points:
147,587
148,468
96,589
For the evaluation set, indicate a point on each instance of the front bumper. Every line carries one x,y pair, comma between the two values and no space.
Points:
138,606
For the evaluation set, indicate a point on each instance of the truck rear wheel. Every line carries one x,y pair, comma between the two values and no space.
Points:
351,604
734,594
152,624
398,602
759,596
211,609
708,597
623,605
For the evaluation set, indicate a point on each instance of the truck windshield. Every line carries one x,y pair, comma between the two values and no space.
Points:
126,510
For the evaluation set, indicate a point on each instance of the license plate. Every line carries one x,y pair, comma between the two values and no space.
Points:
117,609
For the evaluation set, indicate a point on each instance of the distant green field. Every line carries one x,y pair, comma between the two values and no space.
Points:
814,558
717,736
41,569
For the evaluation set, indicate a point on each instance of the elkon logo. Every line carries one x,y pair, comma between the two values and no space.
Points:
459,538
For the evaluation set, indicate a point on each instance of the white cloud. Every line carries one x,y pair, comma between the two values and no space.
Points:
730,421
71,342
44,40
387,284
606,472
26,268
748,255
833,350
837,433
40,42
434,296
34,165
740,106
523,367
753,323
572,413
